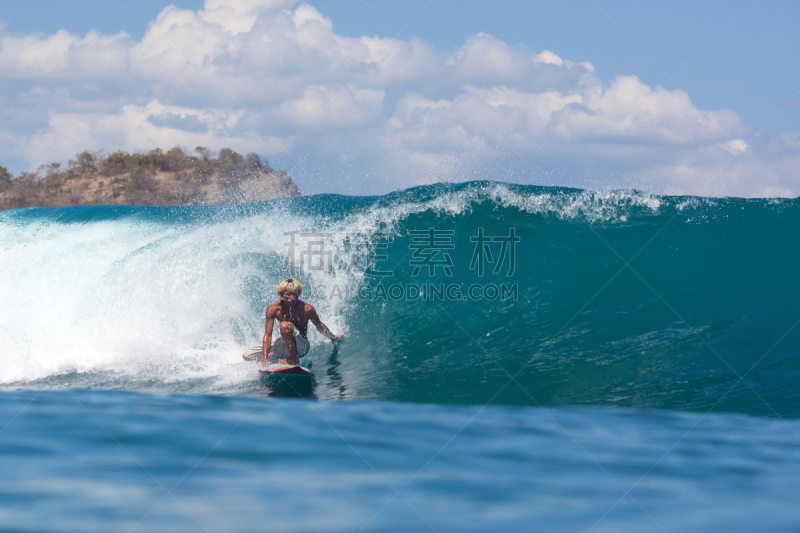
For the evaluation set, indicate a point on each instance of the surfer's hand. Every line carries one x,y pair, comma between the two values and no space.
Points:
338,337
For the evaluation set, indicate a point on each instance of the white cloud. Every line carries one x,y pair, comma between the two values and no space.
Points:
734,146
629,109
322,106
549,58
62,55
273,75
625,111
239,16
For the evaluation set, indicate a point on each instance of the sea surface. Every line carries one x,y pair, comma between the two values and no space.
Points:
526,358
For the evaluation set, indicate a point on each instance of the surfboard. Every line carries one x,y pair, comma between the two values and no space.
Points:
254,354
274,368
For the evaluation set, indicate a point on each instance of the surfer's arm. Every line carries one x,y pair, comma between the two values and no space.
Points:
266,343
322,328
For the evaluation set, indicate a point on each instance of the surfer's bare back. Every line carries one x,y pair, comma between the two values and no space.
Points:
293,315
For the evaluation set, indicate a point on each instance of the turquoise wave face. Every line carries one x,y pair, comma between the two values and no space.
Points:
615,298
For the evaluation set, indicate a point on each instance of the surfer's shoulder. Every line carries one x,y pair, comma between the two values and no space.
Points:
273,307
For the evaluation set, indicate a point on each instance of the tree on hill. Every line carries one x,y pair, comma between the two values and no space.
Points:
5,178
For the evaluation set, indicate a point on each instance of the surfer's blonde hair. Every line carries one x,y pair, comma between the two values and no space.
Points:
290,284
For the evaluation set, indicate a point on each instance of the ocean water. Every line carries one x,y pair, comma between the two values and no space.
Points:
532,358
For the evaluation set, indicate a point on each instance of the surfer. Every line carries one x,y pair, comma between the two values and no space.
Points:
293,315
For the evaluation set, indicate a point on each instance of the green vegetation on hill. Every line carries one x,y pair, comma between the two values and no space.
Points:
156,177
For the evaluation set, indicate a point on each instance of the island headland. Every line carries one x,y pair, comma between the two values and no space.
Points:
155,177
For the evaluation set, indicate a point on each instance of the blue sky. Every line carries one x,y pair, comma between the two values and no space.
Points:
737,56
